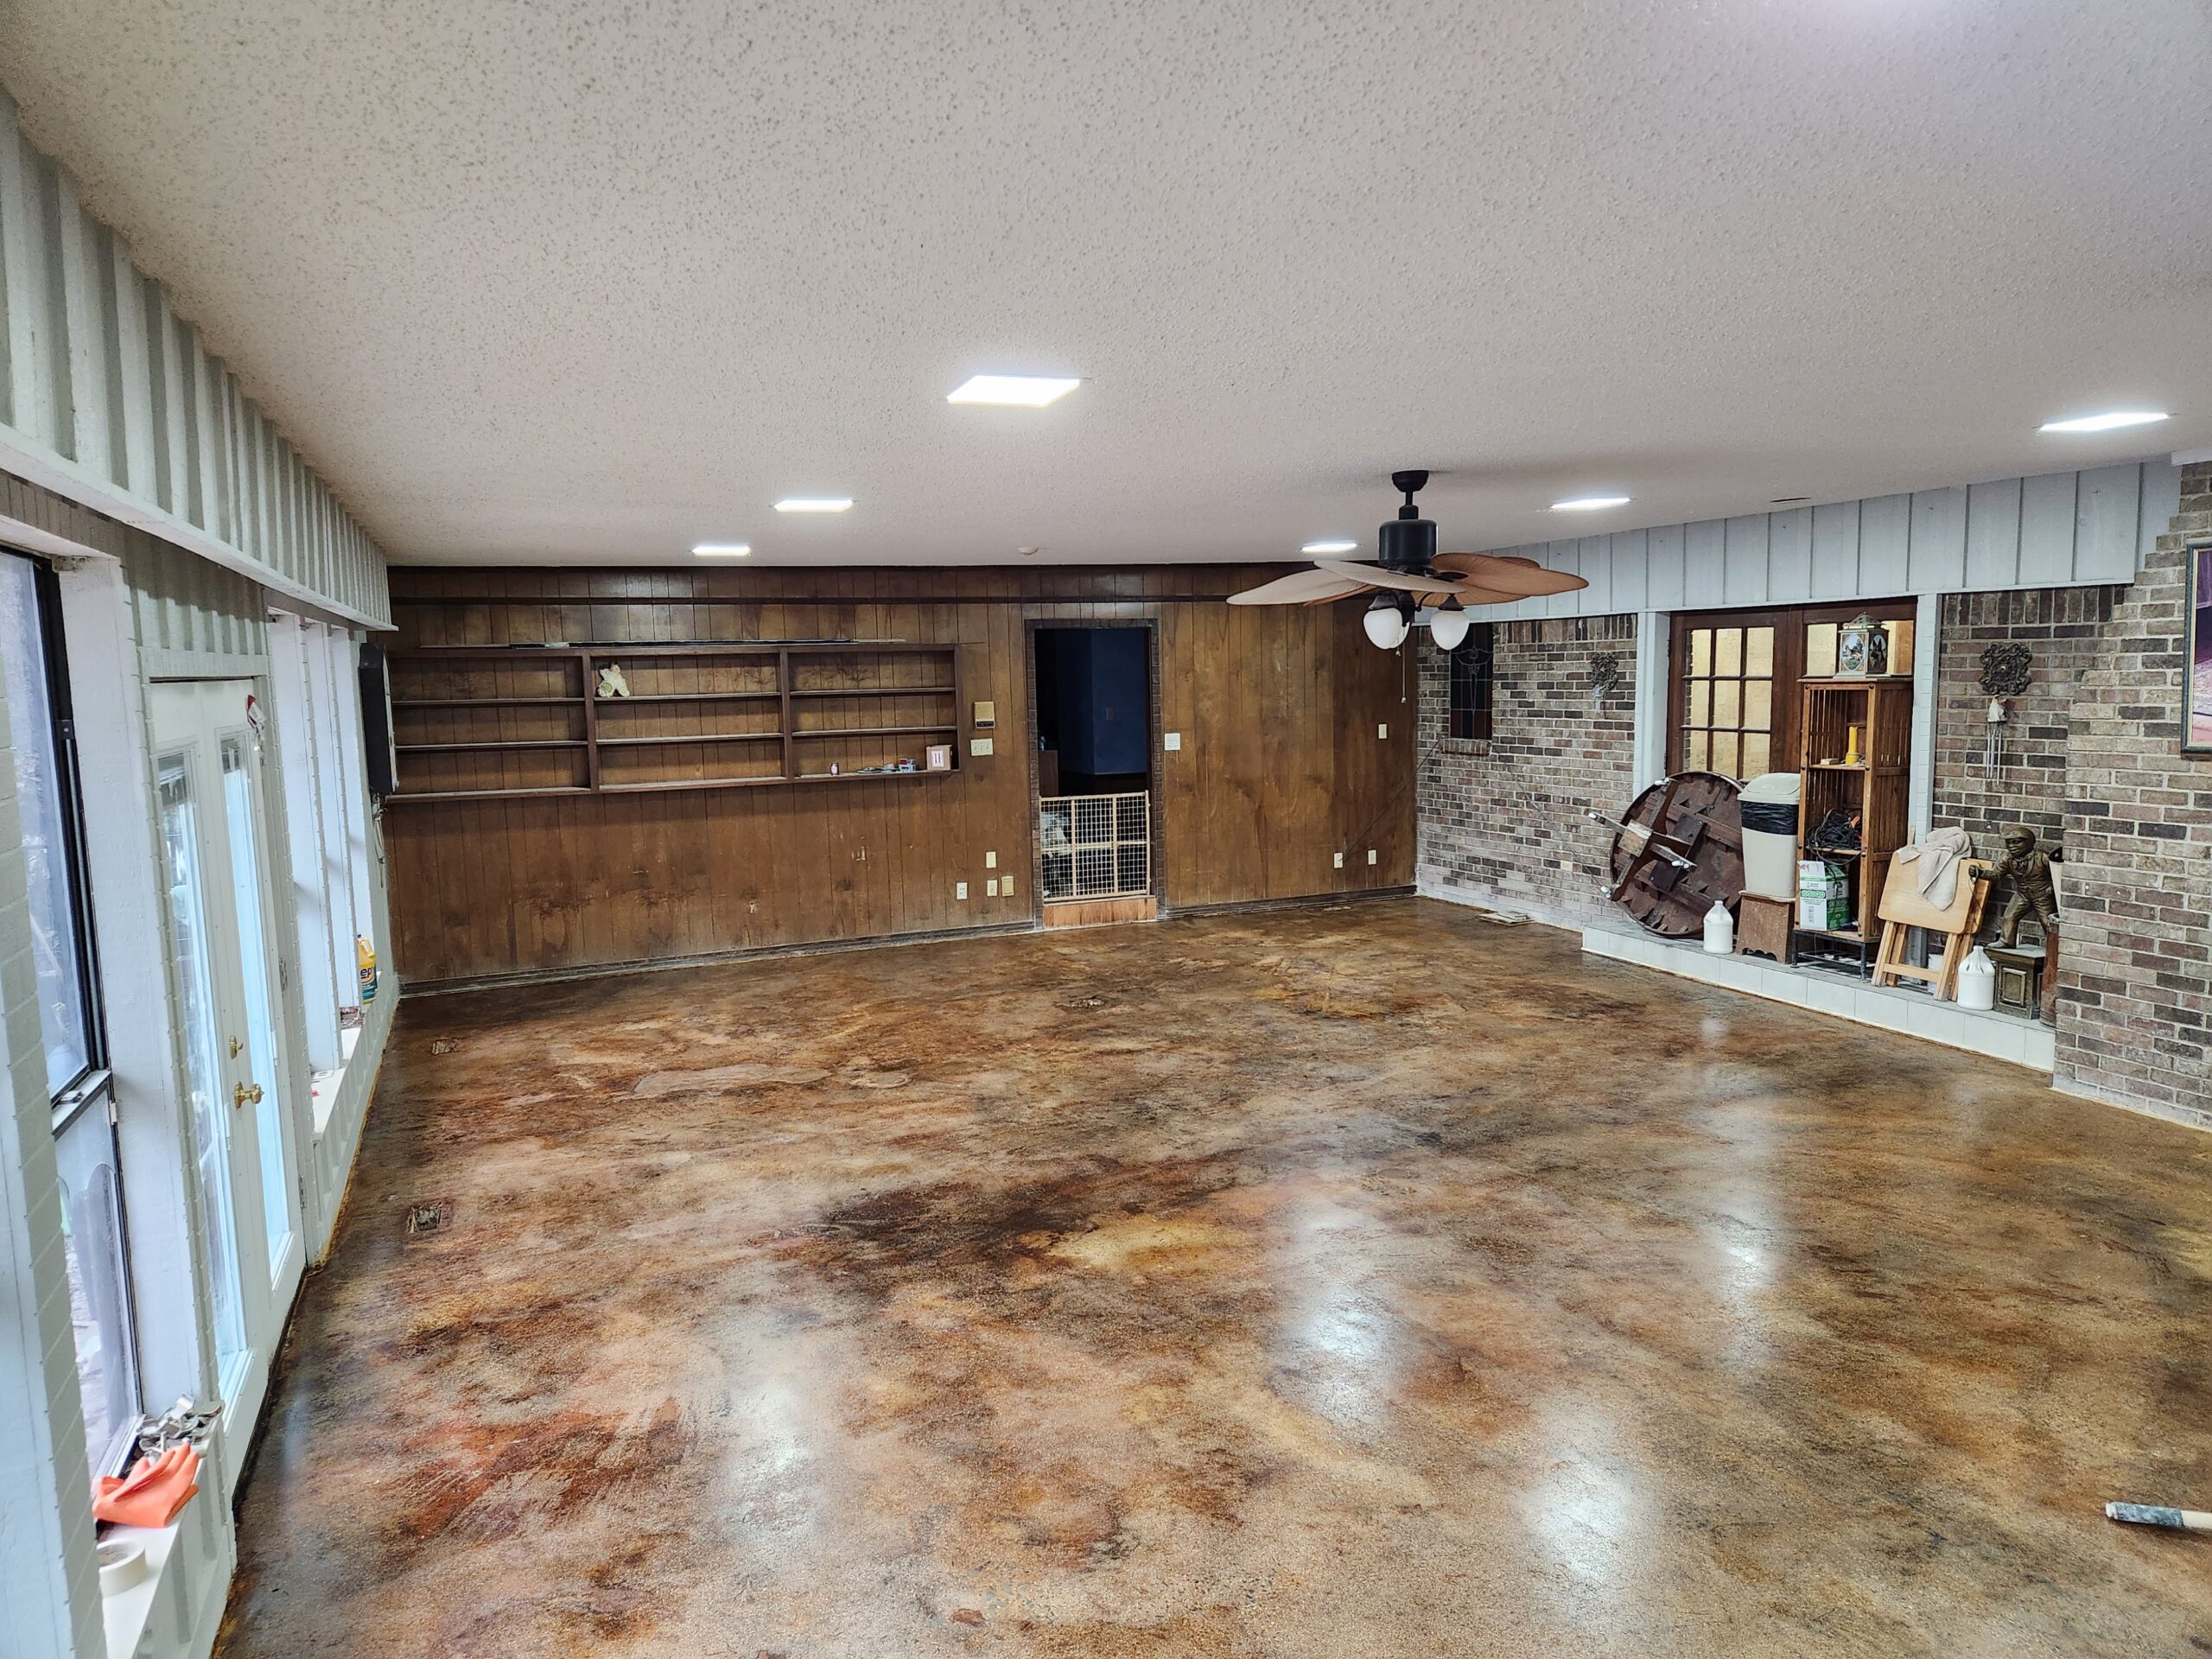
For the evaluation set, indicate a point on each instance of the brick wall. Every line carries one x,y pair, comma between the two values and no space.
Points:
1497,818
2135,893
2063,627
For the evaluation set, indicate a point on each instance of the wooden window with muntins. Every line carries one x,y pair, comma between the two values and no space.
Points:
1727,687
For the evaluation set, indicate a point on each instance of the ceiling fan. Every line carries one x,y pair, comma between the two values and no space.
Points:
1408,572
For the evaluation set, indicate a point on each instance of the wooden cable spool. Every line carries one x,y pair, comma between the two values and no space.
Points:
1678,851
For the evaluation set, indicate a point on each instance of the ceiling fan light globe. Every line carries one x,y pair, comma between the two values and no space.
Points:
1385,622
1448,626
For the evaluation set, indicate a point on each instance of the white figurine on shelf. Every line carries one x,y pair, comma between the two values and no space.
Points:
611,682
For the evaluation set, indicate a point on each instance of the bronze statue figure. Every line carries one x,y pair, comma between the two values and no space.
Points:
2028,868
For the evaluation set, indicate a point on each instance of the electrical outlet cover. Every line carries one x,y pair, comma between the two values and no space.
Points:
960,889
1382,730
991,888
1371,854
1171,740
990,860
1340,860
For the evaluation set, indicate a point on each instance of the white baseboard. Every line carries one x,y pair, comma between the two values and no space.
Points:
1915,1014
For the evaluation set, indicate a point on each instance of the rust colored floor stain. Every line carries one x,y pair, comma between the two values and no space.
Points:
1374,1280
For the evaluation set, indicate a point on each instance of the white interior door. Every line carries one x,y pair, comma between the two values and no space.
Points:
215,842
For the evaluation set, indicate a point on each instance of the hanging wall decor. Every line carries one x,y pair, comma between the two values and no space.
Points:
1606,674
2007,669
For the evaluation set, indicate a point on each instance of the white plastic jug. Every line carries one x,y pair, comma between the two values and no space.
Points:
1719,931
1976,981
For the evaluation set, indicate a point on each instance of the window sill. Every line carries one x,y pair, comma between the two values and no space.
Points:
327,1086
127,1613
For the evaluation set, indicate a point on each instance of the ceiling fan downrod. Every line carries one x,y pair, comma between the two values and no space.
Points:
1407,543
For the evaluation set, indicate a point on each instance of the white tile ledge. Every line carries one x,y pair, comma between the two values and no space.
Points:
1914,1013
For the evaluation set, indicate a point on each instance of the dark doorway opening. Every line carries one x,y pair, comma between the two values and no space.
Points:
1094,707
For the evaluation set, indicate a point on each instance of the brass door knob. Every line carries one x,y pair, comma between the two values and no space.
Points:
244,1093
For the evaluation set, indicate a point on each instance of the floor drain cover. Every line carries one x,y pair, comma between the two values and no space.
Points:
428,1218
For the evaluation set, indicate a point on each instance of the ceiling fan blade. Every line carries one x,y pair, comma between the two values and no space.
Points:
1510,574
1374,575
1299,588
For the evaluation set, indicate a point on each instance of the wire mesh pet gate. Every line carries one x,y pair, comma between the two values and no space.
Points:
1096,846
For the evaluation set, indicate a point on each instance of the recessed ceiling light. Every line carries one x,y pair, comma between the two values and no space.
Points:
814,503
1590,504
2108,423
1328,547
1013,391
722,549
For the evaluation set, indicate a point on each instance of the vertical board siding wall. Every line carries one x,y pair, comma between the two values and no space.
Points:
2058,530
109,398
1281,768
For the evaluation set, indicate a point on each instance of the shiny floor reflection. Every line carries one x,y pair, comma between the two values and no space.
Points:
1366,1280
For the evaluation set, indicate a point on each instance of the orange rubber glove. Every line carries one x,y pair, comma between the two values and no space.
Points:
152,1493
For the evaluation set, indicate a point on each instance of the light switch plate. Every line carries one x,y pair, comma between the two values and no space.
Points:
1173,740
1382,730
991,888
990,860
960,889
1340,860
979,746
1371,854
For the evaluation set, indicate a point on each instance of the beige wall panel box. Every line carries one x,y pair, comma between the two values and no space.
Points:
986,715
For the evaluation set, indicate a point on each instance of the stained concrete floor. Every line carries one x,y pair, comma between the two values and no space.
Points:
1367,1281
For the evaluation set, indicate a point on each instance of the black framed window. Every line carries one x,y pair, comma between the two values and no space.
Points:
43,738
1468,710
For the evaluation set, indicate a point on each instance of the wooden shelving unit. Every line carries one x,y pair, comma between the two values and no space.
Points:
1875,790
480,722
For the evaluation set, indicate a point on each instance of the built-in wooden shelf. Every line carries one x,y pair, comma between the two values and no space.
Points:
504,743
878,691
692,737
688,697
880,731
482,703
482,723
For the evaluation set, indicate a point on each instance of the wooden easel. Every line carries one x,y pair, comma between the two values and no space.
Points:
1904,907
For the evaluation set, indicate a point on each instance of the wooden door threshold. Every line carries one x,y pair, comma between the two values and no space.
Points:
1102,912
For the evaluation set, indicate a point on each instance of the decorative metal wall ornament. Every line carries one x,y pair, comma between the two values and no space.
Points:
1606,674
2007,669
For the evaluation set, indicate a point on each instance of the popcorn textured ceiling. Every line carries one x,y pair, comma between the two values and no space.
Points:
562,281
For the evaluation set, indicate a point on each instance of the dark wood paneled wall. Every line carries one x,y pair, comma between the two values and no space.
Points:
1281,766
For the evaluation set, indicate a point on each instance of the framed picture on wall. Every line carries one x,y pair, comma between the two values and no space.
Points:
2196,689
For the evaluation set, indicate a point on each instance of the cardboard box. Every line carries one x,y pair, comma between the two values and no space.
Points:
1823,894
